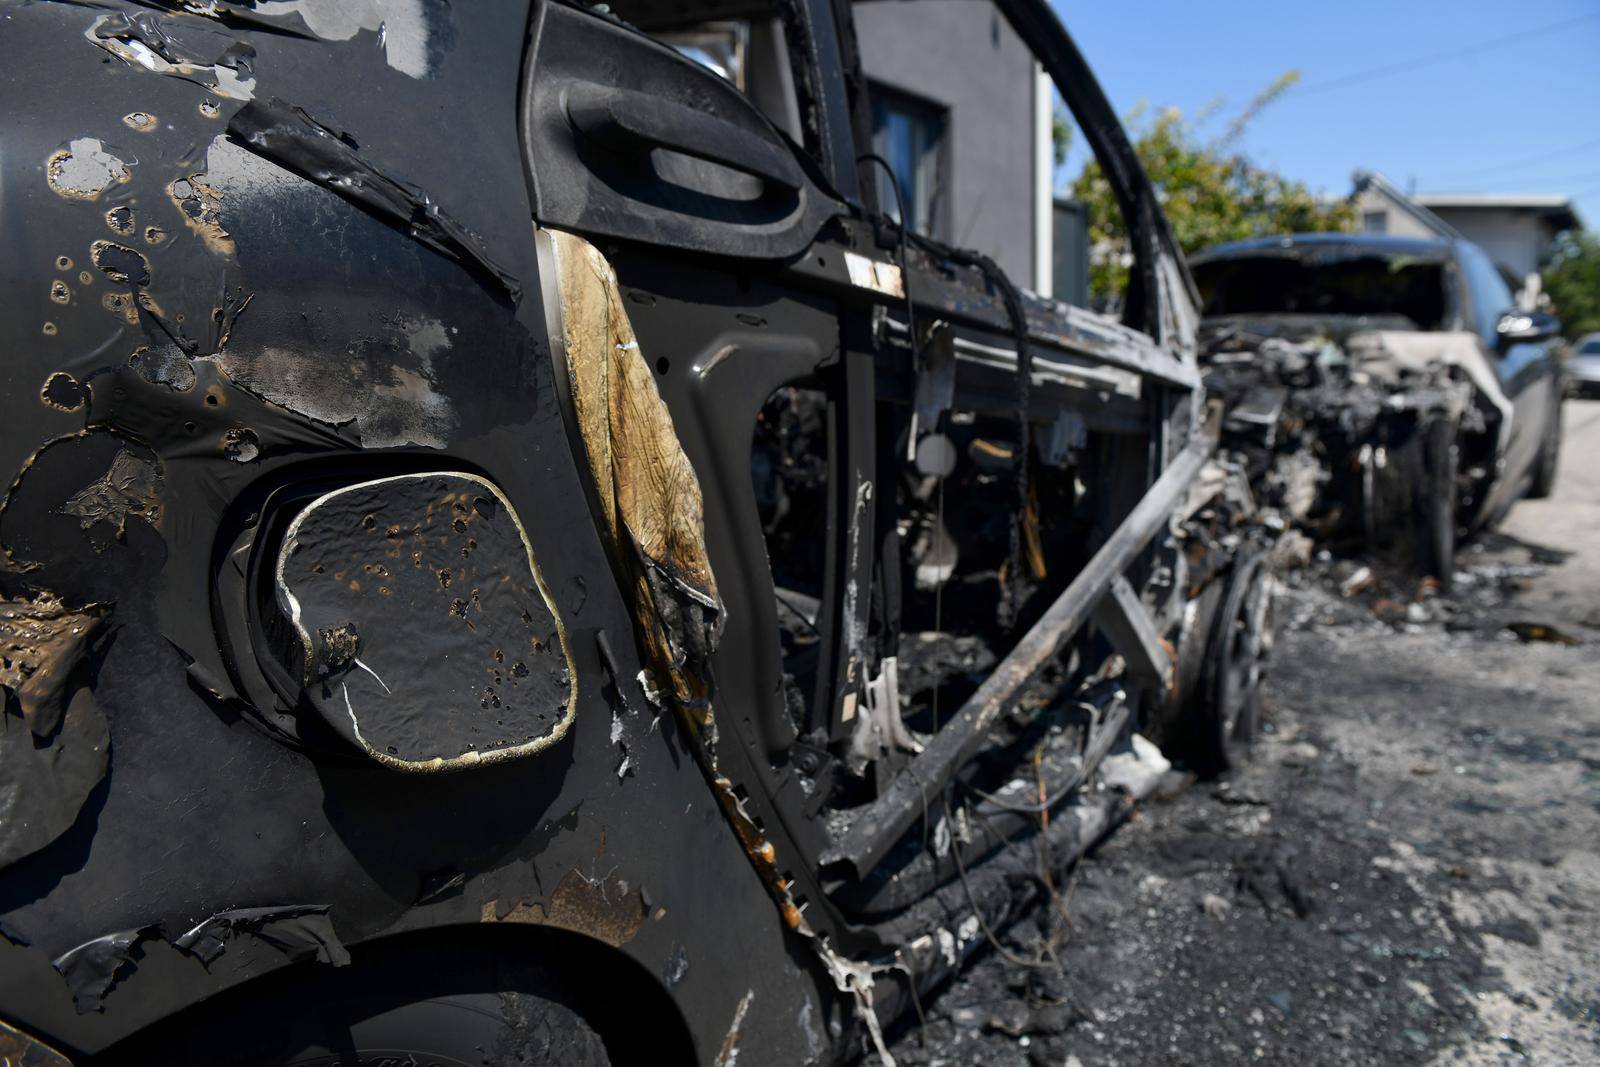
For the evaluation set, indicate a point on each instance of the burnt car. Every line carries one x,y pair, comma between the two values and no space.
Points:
1384,393
511,557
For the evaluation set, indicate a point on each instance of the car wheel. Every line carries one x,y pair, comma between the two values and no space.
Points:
1226,712
1172,725
1436,506
1544,470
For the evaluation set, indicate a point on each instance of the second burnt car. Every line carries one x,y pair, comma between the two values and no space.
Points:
510,558
1383,392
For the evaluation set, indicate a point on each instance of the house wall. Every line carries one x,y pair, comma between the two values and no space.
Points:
1517,239
962,55
1395,220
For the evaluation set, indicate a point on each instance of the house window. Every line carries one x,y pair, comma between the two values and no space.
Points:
910,134
1375,222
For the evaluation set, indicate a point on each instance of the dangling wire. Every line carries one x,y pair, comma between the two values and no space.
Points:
905,268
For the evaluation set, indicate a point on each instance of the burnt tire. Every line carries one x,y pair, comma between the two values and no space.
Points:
1544,468
400,1008
1226,713
1435,536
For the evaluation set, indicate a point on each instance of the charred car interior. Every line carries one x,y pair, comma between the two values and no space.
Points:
575,567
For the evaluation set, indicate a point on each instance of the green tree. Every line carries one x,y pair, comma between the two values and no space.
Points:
1572,280
1210,191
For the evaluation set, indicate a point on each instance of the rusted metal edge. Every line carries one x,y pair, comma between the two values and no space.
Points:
880,824
466,759
18,1049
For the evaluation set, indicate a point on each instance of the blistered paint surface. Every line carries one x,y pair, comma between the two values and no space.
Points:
84,169
412,33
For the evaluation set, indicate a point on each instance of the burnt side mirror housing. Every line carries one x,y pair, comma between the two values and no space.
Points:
1524,327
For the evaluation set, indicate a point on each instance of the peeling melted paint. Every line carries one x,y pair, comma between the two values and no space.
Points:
95,967
141,39
121,305
163,366
63,392
390,406
40,642
131,487
201,209
123,265
120,220
412,33
241,445
84,169
54,753
289,137
300,931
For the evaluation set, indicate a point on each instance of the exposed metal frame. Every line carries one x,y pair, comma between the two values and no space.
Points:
877,826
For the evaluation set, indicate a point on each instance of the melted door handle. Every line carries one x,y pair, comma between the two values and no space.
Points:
633,123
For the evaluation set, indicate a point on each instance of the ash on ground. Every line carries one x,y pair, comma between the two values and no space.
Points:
1407,872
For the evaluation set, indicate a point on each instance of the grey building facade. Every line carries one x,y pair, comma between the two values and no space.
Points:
1516,231
962,112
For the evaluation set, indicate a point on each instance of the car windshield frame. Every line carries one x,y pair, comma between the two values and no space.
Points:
1314,288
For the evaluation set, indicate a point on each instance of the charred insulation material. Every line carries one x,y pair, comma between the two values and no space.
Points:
653,511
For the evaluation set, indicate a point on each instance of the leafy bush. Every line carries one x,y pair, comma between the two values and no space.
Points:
1211,192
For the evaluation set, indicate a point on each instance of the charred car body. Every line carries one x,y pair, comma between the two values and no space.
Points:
508,555
1383,393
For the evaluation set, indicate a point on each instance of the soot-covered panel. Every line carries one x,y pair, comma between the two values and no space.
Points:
429,638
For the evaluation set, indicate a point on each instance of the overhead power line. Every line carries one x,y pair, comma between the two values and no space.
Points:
1528,161
1436,188
1436,58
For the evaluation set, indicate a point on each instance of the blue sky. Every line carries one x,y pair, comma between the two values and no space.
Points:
1518,113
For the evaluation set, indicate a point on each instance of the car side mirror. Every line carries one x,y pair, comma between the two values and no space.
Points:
1523,327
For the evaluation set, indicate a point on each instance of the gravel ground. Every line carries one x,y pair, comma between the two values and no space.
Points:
1408,872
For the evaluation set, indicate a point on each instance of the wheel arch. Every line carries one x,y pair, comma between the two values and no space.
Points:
632,1009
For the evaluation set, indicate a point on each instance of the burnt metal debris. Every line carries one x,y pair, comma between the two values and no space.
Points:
784,593
1383,395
